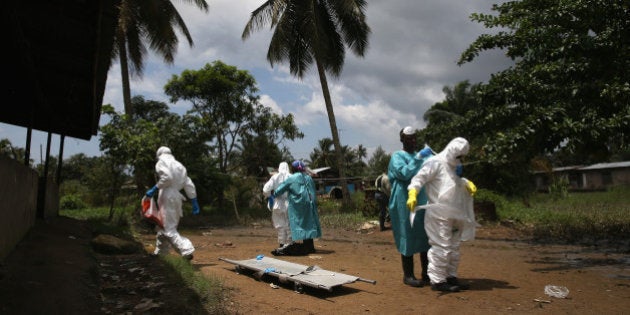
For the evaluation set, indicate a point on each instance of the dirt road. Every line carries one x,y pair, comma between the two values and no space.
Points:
507,274
54,271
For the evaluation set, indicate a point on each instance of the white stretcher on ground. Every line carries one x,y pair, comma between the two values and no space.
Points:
299,275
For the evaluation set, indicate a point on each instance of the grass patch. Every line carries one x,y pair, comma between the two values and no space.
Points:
210,289
578,217
119,225
342,220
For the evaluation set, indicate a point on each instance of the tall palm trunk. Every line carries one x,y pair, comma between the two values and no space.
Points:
121,40
335,136
124,73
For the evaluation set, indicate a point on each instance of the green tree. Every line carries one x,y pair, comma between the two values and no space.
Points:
9,150
353,160
569,87
260,146
307,32
378,162
457,116
81,179
361,152
227,108
133,142
142,23
448,119
324,155
76,166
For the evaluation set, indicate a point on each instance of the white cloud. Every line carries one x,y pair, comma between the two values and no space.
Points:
267,101
411,56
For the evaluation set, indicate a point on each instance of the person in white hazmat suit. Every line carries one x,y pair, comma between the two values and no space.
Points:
172,178
449,217
279,205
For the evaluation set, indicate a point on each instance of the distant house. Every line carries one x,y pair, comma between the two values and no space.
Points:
328,184
591,177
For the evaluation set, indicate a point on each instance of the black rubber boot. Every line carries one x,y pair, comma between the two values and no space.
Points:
444,287
309,246
408,278
293,249
381,223
455,281
424,262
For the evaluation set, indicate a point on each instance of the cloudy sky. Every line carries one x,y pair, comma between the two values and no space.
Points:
412,55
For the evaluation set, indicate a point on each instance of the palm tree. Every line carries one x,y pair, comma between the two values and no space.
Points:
321,156
459,100
147,22
446,119
314,31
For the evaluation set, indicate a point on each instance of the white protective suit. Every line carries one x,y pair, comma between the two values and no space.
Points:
279,213
172,179
449,217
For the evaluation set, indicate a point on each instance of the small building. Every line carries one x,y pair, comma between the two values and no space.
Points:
592,177
603,175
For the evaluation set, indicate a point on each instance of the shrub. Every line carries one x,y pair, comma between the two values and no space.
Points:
72,202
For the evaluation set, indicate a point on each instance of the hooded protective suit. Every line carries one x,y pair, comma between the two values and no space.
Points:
172,178
279,212
449,217
303,216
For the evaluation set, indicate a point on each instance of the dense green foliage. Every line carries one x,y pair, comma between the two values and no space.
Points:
230,118
566,98
569,86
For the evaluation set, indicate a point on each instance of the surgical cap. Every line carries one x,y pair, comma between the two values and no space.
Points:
408,131
298,165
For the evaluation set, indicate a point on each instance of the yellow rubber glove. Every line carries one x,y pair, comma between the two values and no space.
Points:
411,200
470,186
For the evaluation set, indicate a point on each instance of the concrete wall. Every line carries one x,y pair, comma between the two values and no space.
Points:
50,201
18,203
587,178
599,179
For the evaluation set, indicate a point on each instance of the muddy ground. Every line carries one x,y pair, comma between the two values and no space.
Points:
507,273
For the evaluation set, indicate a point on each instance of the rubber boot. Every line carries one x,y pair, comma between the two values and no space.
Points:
309,246
381,222
424,262
297,249
445,287
408,278
455,281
